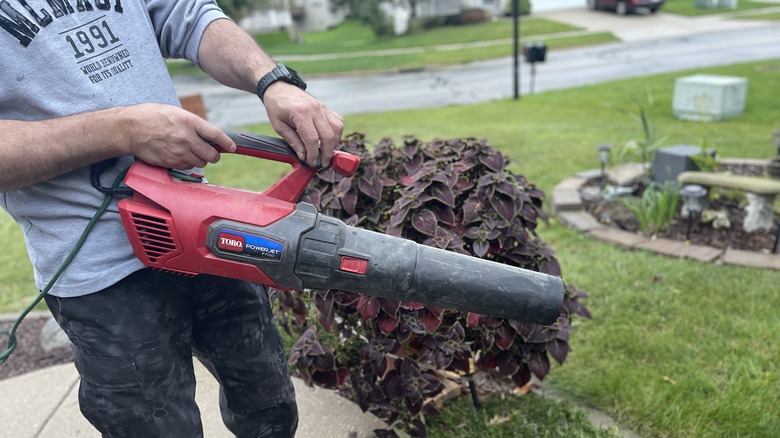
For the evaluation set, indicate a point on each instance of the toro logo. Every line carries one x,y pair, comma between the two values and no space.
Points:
231,242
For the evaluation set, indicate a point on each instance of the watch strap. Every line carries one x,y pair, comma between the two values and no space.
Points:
279,73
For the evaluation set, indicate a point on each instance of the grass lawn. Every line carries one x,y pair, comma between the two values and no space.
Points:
514,417
351,36
688,7
360,48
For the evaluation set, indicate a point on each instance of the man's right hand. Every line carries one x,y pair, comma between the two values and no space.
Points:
168,136
162,135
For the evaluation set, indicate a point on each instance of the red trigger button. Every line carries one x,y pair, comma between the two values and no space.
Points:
353,265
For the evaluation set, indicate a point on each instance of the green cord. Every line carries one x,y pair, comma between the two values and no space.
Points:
12,333
184,177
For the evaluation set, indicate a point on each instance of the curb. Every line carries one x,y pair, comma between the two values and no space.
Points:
567,206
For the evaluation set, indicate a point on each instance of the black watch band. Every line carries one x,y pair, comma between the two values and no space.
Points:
280,73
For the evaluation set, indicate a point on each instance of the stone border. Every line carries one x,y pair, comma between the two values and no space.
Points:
566,205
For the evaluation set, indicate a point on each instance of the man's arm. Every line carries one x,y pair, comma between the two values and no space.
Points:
229,55
164,135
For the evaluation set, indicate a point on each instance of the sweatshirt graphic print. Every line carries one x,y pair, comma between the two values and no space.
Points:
63,57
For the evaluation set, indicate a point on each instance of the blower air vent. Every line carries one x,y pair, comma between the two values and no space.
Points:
155,236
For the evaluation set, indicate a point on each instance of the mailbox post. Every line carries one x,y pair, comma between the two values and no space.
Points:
533,53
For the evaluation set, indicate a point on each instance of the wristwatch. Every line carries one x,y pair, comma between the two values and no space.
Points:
280,73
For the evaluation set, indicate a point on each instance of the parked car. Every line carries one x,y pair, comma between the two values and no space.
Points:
623,7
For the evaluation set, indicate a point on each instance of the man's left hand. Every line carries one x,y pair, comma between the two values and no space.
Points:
312,129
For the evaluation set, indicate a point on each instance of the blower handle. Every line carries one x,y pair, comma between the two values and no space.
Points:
290,187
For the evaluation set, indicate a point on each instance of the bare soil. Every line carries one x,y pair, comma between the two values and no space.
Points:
29,355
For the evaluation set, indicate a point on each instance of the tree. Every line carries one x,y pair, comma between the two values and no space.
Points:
367,12
237,9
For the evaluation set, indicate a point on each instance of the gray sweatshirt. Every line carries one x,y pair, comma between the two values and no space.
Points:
71,56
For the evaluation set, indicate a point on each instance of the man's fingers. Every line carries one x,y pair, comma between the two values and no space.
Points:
292,138
311,141
211,134
330,135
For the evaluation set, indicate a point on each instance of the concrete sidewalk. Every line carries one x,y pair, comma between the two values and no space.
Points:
44,404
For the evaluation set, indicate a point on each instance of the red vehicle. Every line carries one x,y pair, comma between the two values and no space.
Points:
623,7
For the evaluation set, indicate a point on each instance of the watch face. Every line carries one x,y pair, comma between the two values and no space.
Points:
293,76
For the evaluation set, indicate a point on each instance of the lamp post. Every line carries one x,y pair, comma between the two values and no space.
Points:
692,195
605,151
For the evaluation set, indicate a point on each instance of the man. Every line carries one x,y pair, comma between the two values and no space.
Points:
84,81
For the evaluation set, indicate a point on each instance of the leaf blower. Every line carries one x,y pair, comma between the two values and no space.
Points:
199,228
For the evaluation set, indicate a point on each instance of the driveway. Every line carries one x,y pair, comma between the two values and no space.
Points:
646,26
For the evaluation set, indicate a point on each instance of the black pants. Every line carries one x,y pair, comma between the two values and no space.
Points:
133,345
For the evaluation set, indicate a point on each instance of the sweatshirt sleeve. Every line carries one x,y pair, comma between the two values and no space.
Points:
179,25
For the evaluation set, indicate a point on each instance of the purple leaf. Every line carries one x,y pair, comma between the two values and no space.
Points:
539,364
399,216
389,306
472,210
443,193
345,298
522,376
425,222
443,213
504,206
507,363
456,332
393,385
541,335
327,379
507,188
437,311
480,247
312,197
411,167
368,307
430,321
550,267
494,161
387,323
324,362
349,202
327,320
414,402
558,350
524,329
472,319
505,335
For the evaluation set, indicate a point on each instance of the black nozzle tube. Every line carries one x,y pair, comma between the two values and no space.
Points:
402,270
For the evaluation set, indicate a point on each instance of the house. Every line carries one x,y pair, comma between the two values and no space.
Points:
300,15
314,15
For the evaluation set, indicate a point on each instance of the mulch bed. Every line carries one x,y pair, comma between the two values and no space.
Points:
29,355
701,233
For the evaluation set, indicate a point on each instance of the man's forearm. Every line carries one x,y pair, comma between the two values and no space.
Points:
229,55
33,152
